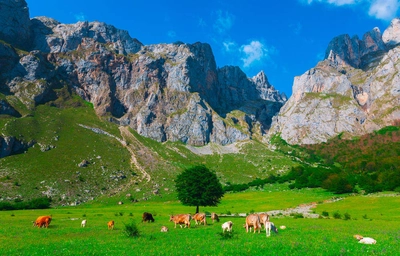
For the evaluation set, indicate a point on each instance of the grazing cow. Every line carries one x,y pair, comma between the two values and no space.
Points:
253,220
214,216
181,219
263,218
42,221
110,224
268,227
200,218
227,226
83,223
365,240
147,217
164,229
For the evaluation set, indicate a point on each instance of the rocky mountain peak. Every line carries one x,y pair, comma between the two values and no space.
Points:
391,36
51,36
261,80
15,23
164,91
354,91
355,52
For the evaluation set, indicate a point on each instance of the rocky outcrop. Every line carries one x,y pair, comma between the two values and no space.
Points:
354,91
391,36
52,36
15,23
10,145
355,52
7,109
165,91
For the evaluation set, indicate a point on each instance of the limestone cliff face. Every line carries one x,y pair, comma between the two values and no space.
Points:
164,91
354,91
15,22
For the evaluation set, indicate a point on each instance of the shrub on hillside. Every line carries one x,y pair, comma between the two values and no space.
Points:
37,203
337,215
346,216
131,230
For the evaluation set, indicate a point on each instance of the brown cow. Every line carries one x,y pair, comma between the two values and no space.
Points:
214,216
110,224
147,217
200,218
181,219
264,217
253,220
42,221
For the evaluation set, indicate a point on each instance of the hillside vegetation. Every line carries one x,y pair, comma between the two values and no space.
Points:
77,157
370,162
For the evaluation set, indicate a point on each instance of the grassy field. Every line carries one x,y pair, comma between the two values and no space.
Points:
376,216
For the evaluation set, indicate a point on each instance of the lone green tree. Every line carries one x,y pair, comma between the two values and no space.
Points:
198,186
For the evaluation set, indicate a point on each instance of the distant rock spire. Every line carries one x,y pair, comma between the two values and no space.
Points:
391,36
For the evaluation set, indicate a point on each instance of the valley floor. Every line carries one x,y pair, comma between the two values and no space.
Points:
374,216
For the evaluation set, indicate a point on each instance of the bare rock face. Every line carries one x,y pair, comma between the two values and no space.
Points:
355,52
338,97
391,36
15,23
10,145
52,36
7,109
165,91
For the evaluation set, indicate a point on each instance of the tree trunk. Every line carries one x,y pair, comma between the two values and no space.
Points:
197,209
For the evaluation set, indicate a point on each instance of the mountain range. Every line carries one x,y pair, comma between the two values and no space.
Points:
170,93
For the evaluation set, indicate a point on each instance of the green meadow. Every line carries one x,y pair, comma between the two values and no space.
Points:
376,216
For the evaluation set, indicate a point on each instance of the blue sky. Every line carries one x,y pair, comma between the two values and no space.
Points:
284,38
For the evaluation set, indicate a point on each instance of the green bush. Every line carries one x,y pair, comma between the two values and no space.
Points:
337,215
37,203
297,215
227,235
325,214
346,216
131,230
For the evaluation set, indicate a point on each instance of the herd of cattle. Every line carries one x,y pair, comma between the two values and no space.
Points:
254,221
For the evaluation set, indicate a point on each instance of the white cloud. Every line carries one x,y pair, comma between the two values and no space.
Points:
80,16
379,9
384,9
224,21
334,2
253,53
229,46
341,2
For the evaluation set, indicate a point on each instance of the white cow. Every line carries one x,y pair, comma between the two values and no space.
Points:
268,227
365,240
227,226
83,223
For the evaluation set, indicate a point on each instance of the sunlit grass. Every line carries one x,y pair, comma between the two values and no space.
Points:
301,237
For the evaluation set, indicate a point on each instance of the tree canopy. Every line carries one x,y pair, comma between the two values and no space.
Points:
198,186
